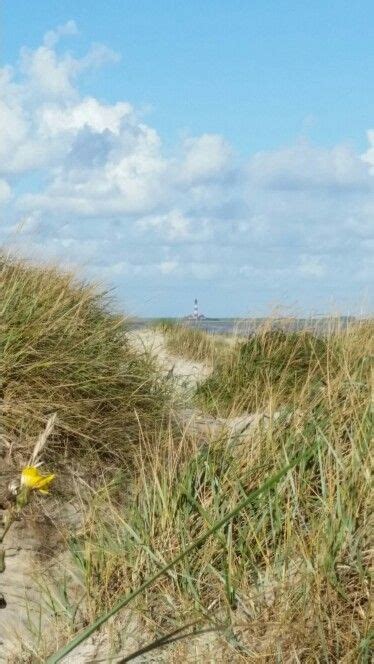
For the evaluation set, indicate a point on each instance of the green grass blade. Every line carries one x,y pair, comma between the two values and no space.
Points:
124,601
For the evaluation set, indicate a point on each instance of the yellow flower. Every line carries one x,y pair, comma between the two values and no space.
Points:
32,479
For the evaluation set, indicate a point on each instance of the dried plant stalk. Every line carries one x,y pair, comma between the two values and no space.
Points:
41,441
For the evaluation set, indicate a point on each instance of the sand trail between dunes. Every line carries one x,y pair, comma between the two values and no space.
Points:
185,372
186,375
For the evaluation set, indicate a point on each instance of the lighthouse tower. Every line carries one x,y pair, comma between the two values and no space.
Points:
196,310
195,315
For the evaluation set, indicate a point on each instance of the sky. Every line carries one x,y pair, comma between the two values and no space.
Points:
221,149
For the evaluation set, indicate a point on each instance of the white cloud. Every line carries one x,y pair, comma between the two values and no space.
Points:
206,157
88,113
92,184
51,76
52,37
13,123
173,226
368,156
305,167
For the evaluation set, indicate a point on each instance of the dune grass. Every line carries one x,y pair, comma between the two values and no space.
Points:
191,342
62,350
287,578
275,368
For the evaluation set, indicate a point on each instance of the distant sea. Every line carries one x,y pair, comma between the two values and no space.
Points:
247,326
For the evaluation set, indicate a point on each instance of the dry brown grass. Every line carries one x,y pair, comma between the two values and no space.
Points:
191,342
288,578
62,350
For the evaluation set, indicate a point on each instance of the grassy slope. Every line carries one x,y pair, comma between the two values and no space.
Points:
271,367
190,342
288,577
61,350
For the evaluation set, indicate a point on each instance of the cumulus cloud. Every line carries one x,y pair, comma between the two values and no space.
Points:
305,167
89,182
52,76
52,37
88,113
206,157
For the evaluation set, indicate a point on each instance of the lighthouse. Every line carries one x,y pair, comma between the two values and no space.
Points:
195,315
196,310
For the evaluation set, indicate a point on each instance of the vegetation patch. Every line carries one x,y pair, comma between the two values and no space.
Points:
63,351
271,367
285,576
191,342
290,572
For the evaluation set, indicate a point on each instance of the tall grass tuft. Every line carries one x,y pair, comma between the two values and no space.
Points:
191,342
63,351
275,368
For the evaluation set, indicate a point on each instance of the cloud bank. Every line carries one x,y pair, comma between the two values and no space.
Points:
89,183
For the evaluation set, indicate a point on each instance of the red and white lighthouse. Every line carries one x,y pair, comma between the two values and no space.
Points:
196,310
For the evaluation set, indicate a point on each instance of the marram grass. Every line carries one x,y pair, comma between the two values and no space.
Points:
282,563
281,368
289,571
191,342
62,350
268,485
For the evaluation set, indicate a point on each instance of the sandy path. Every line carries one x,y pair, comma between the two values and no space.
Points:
187,373
33,586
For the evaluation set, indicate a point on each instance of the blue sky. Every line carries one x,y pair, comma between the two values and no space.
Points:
179,149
